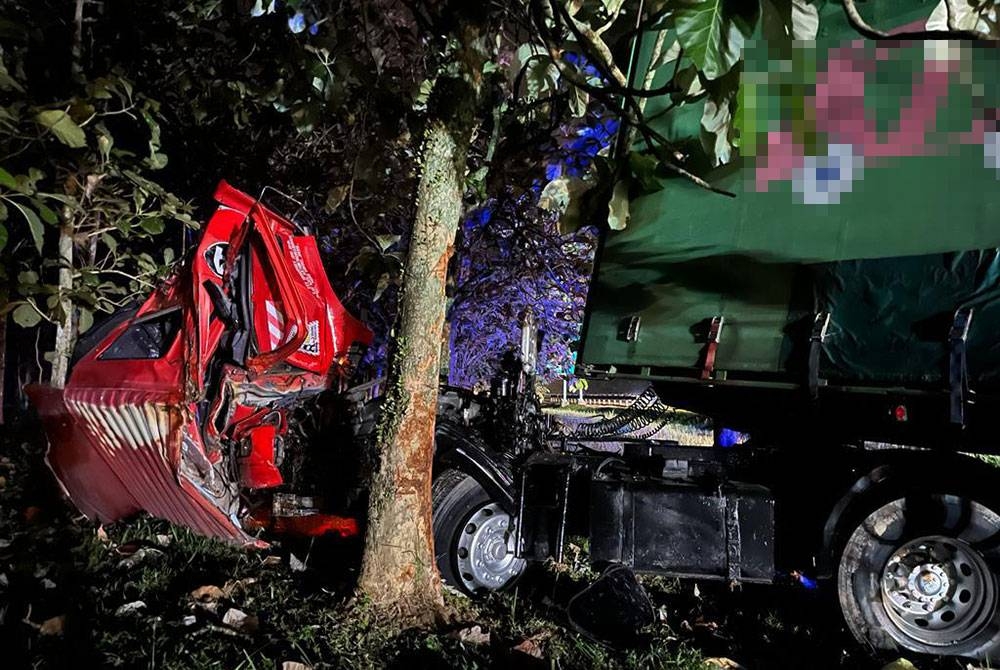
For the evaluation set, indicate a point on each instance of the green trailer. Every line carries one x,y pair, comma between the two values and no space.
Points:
842,308
856,268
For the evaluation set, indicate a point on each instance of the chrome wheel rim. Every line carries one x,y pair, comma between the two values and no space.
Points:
938,590
485,550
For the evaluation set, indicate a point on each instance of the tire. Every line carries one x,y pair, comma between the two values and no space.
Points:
920,574
472,536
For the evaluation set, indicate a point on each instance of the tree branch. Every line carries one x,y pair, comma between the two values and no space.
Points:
859,24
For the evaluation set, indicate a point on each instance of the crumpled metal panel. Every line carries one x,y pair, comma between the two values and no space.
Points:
81,470
140,439
125,434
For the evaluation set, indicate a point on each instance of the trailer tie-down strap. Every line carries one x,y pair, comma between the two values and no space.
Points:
714,335
958,371
821,324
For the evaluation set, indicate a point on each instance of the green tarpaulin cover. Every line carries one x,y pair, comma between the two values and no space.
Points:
869,188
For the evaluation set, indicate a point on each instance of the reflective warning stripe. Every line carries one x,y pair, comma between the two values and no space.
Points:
275,324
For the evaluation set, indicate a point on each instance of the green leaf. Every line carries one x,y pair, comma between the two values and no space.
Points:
716,124
386,241
99,88
7,82
555,196
26,316
152,225
578,101
104,144
618,209
48,216
85,320
146,262
34,224
964,16
805,20
3,237
27,277
783,21
712,32
157,160
381,286
7,179
63,127
540,74
643,168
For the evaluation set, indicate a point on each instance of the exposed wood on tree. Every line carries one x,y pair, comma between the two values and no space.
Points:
399,572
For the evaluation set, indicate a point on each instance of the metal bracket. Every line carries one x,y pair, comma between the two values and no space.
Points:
714,335
628,330
529,341
821,325
958,372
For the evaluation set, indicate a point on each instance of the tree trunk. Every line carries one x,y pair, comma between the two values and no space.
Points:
399,572
65,328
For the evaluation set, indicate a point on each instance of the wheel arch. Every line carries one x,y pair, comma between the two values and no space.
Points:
894,474
458,447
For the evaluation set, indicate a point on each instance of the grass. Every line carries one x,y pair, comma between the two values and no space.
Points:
60,567
58,564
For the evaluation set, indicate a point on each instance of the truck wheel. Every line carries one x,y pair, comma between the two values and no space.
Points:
473,536
919,573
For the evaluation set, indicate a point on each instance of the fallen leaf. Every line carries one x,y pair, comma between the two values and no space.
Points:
128,548
721,662
102,535
164,540
143,554
270,562
4,543
48,584
899,664
532,646
53,626
295,665
189,620
473,635
231,587
130,608
295,564
209,593
240,620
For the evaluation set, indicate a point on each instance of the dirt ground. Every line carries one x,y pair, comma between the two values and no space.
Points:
146,594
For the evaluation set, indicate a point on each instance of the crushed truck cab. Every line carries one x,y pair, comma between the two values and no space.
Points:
179,408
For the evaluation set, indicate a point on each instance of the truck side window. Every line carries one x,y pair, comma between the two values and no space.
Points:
147,338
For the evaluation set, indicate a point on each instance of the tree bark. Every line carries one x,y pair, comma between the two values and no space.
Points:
398,572
65,328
